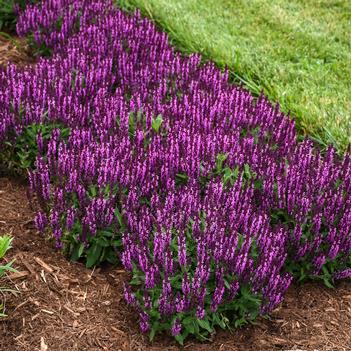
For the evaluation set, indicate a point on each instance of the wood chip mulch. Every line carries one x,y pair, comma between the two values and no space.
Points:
15,50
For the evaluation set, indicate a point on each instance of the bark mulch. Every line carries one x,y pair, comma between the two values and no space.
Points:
62,305
15,50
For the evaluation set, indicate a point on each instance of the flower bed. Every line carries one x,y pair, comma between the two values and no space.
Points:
154,159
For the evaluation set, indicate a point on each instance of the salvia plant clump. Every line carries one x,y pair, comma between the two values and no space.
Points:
153,159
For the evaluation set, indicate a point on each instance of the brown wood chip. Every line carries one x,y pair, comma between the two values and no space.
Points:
18,275
45,266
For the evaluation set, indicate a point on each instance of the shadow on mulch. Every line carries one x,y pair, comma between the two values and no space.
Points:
62,305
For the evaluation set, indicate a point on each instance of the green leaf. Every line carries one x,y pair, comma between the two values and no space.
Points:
155,314
131,124
219,321
189,324
328,283
117,242
247,171
106,234
139,116
240,322
7,267
180,338
5,244
93,191
205,324
136,280
77,251
156,123
119,218
181,178
219,161
93,255
111,257
80,250
103,242
153,330
226,283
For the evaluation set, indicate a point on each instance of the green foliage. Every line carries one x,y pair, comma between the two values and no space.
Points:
303,270
8,15
242,310
138,119
230,175
38,50
5,245
8,20
156,123
181,179
232,313
20,153
102,247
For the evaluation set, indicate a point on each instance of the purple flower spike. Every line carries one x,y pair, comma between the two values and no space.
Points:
176,327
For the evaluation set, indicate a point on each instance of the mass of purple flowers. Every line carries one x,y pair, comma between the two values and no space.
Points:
211,195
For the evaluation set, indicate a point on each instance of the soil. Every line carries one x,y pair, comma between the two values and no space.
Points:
60,305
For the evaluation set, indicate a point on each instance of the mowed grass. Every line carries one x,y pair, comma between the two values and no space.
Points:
297,52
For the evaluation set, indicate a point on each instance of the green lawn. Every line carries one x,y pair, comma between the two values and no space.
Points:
297,52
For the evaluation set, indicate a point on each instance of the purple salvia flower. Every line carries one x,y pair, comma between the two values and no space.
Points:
344,274
144,322
129,295
41,221
176,327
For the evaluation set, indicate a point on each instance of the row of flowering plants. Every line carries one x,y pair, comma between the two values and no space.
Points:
142,156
